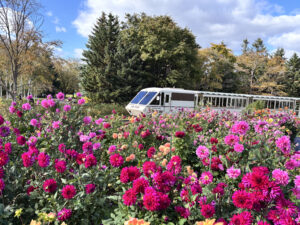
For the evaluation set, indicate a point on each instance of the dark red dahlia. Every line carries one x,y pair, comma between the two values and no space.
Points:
87,148
244,218
21,140
140,184
179,134
90,160
68,191
50,186
151,151
174,166
149,168
90,188
60,166
7,148
129,174
207,210
43,159
184,212
242,199
3,158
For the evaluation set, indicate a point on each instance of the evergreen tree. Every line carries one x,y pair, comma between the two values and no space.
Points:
100,78
292,79
245,47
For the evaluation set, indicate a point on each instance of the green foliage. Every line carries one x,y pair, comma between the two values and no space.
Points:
257,105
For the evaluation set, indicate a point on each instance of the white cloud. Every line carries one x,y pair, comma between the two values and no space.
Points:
49,13
78,53
210,20
60,29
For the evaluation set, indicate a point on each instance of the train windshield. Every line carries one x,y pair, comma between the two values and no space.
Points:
138,97
147,98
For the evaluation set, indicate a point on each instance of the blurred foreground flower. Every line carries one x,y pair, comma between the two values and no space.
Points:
208,222
135,221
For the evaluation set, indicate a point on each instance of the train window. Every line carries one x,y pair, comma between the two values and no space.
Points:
155,101
167,98
138,97
147,98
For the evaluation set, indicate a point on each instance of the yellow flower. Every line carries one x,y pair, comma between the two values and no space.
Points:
208,222
18,212
63,223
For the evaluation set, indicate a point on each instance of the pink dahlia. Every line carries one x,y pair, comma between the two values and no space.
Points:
116,160
206,177
202,152
60,96
140,184
284,144
280,176
68,191
129,198
64,214
184,212
233,173
26,106
238,147
240,127
149,168
21,140
43,159
60,166
28,159
242,199
174,166
231,140
244,218
90,188
90,160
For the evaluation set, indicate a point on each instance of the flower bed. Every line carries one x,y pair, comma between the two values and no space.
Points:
58,165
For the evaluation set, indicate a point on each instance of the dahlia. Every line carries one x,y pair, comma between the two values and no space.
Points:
2,185
26,106
80,158
242,199
151,199
179,134
244,218
184,212
90,160
286,207
3,158
1,120
28,159
207,210
140,184
164,181
87,120
202,152
233,173
90,188
60,166
4,131
67,108
116,160
149,168
129,198
238,147
64,214
43,159
33,122
280,176
45,104
174,166
62,148
151,151
68,191
1,172
50,186
81,101
60,96
231,140
258,180
284,144
206,177
129,174
240,127
21,140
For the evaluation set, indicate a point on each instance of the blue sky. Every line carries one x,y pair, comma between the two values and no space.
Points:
276,21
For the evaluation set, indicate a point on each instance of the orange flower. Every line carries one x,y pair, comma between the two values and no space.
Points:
164,162
115,136
135,221
208,222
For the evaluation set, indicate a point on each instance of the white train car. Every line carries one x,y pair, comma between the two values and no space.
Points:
163,100
168,100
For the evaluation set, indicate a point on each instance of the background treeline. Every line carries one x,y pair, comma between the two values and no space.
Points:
144,51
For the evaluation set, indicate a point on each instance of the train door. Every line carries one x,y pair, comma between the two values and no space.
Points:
167,102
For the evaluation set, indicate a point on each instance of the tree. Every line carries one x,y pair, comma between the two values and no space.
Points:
292,79
19,25
251,65
168,52
99,76
217,68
